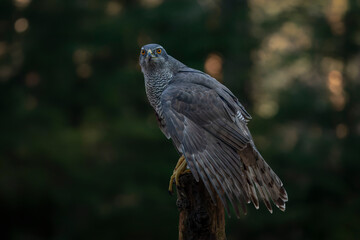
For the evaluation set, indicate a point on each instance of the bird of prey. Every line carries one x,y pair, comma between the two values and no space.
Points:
208,126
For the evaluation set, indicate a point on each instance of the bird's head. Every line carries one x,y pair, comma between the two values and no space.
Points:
152,56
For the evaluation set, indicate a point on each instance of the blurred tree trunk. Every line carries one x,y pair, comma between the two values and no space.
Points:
199,218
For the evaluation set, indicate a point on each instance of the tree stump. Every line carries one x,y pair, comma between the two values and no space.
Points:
199,218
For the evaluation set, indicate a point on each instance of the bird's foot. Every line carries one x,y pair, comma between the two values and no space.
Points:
180,168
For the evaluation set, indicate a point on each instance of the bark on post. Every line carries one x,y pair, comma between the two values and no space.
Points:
199,218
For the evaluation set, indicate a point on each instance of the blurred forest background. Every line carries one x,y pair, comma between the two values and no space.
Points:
81,155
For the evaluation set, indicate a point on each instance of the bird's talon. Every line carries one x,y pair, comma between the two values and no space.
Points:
179,169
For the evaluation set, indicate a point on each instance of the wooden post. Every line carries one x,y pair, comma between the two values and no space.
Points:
199,218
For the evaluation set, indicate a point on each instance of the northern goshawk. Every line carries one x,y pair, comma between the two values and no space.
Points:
208,126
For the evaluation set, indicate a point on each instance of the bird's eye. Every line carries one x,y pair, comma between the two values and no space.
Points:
158,51
143,52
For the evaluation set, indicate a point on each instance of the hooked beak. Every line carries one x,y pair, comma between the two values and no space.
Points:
150,55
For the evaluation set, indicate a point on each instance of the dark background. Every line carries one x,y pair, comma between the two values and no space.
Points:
81,155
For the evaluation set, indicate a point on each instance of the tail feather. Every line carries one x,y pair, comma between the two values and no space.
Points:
259,174
264,193
251,188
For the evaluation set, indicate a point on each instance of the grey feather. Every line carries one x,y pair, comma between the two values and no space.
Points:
208,125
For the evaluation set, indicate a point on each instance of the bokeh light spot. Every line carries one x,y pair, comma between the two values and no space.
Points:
267,109
335,86
213,65
352,69
3,48
341,131
81,56
151,3
21,25
335,13
32,79
21,3
113,8
84,71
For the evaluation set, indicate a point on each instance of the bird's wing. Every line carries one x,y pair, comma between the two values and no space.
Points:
198,122
232,105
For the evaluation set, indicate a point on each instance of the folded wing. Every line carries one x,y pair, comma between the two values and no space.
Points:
218,147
